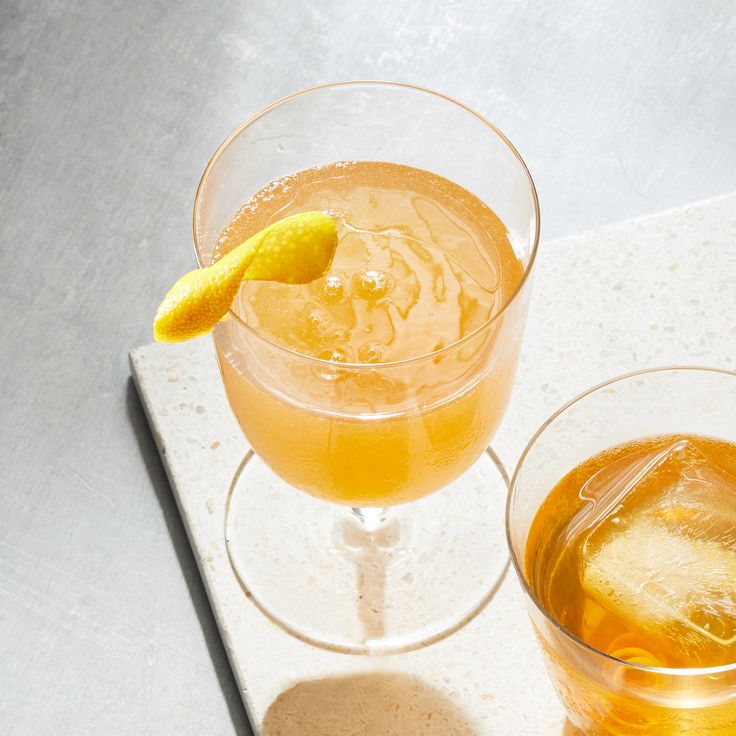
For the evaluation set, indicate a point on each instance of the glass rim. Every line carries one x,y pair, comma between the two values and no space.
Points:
529,593
407,87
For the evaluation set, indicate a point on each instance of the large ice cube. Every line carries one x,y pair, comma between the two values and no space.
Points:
659,546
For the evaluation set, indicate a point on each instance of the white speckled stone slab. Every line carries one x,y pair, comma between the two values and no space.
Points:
659,290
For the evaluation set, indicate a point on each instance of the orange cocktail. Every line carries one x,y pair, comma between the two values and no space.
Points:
421,264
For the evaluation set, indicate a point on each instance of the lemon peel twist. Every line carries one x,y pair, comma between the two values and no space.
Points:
295,250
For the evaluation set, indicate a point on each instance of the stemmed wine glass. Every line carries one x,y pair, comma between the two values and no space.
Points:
369,516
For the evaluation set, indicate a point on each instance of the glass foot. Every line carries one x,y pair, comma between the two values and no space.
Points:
400,582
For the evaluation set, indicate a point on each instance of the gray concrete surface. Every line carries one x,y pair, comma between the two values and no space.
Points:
108,113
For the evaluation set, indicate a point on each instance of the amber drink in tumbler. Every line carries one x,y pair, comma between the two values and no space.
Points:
622,523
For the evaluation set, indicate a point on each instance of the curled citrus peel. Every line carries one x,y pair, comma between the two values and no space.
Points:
295,250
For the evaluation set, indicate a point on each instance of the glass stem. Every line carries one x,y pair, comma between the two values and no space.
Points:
371,518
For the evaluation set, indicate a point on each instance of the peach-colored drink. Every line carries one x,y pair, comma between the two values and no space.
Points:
421,264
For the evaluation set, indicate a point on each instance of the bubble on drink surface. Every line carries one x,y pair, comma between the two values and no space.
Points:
371,352
337,354
311,328
333,288
373,284
338,215
334,358
316,322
